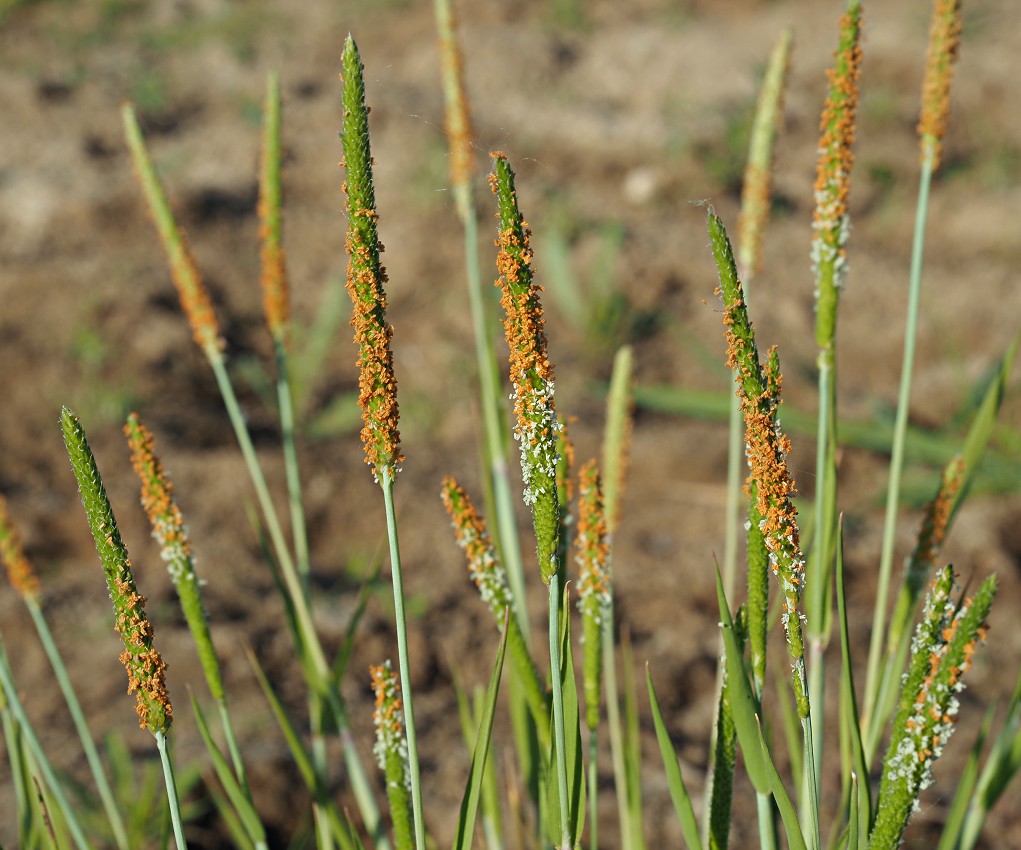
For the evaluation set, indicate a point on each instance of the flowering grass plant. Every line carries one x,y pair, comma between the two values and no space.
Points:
541,787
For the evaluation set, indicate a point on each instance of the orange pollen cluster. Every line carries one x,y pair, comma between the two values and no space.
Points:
275,293
157,491
143,663
458,117
937,517
837,129
19,570
377,384
195,301
473,537
944,44
593,550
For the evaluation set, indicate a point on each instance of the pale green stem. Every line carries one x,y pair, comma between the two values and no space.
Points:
299,532
88,745
299,529
269,515
593,792
310,640
559,736
168,777
897,455
818,579
613,722
811,784
767,823
387,484
36,750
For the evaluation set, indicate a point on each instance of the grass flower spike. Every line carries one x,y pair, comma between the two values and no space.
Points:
275,292
457,120
472,536
833,176
944,43
531,372
757,191
491,580
146,670
766,448
22,577
169,531
942,649
190,288
365,278
391,751
594,600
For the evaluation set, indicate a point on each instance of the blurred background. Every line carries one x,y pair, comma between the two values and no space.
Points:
618,117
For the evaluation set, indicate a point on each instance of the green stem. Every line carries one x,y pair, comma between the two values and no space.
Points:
616,741
168,777
387,484
74,706
767,823
310,640
559,736
811,783
593,793
299,529
897,455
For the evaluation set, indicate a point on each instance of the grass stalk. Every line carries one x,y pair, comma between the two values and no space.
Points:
944,40
400,617
559,733
168,778
616,733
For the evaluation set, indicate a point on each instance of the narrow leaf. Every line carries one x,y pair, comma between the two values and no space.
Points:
675,782
473,791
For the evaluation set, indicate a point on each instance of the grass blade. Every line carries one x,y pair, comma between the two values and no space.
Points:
675,782
476,775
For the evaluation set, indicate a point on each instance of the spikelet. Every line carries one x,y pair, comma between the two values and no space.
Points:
594,583
19,571
491,580
617,436
169,531
391,751
146,669
537,428
831,222
757,188
473,537
941,651
766,447
458,116
377,385
944,43
275,292
195,301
